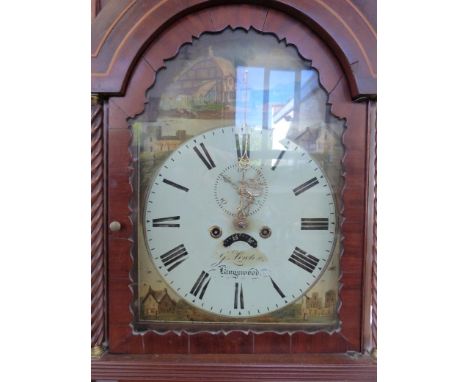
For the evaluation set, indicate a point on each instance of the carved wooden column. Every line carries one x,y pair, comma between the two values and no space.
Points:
97,228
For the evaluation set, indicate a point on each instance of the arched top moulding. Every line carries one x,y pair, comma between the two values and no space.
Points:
124,29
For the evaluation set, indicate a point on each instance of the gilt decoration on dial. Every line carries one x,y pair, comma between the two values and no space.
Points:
248,185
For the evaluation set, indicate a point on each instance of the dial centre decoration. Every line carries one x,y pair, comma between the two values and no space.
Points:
246,186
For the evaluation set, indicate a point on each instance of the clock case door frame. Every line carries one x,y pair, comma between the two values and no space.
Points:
133,62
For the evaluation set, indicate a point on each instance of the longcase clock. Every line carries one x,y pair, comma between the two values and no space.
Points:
233,185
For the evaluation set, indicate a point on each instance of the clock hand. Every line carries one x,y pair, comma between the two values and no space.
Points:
244,160
240,220
229,180
248,190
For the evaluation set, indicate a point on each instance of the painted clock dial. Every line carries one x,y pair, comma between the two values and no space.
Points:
239,224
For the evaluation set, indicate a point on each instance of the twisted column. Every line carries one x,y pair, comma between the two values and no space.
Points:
374,243
97,229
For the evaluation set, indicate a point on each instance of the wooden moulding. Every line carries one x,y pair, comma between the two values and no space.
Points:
336,367
218,356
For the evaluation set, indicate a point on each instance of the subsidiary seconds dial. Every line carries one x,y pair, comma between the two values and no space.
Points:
239,224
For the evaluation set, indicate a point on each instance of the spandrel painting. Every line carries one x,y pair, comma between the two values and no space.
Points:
225,118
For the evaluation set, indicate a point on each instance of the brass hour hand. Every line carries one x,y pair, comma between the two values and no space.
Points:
230,181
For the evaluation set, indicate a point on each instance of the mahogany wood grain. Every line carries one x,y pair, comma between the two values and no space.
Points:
218,343
270,342
168,343
243,16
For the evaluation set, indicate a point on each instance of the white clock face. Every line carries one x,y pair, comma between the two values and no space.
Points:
239,228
